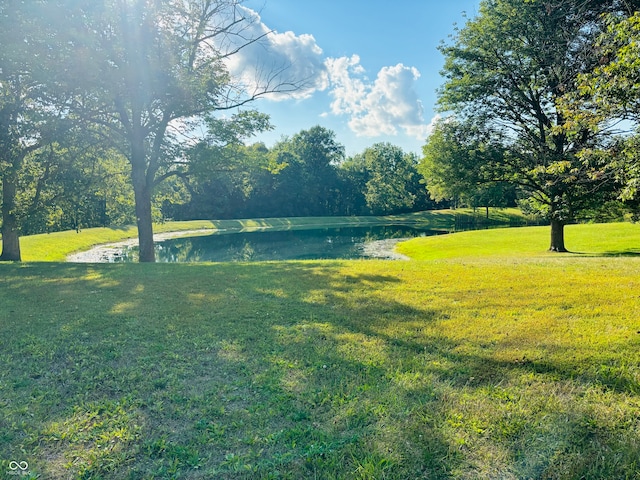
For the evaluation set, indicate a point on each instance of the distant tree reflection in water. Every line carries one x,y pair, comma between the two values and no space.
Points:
328,243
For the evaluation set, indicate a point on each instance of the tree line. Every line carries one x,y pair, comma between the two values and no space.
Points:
304,175
76,185
102,104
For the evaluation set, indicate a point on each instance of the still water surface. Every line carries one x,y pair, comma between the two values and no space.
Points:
328,243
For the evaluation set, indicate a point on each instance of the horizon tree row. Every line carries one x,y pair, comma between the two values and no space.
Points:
305,175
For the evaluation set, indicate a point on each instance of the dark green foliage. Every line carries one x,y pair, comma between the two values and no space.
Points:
607,95
455,167
305,175
389,180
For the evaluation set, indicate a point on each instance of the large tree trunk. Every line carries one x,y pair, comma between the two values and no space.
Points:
10,231
557,236
144,218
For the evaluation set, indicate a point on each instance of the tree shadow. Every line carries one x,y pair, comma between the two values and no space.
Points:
308,369
611,253
621,253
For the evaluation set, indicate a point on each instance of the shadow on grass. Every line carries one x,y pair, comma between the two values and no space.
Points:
269,370
612,253
119,228
621,253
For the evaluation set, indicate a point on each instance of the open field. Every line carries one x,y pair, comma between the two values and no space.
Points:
488,359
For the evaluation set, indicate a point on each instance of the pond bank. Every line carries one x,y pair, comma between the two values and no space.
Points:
385,249
112,252
106,253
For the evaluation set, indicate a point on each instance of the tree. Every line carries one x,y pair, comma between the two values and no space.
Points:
148,71
353,177
391,172
609,94
18,137
303,174
26,124
317,154
506,72
454,167
74,183
220,168
454,159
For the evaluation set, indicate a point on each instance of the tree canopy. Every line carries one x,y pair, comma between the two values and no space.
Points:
505,74
392,182
608,97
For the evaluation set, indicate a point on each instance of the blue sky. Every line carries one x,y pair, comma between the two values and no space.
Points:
372,67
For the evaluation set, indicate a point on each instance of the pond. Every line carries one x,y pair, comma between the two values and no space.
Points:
327,243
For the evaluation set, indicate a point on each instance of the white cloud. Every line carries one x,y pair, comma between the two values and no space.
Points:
388,105
382,107
285,61
432,124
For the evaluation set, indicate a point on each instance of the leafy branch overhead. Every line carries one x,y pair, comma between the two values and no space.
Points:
143,75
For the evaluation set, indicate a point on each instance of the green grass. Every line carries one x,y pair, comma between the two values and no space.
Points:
55,247
476,363
588,239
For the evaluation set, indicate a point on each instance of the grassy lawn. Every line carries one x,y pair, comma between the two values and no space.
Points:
485,357
605,239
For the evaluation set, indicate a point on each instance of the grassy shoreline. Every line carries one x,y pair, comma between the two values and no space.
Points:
597,239
55,247
477,362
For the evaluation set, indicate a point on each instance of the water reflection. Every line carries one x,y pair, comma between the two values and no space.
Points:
329,243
